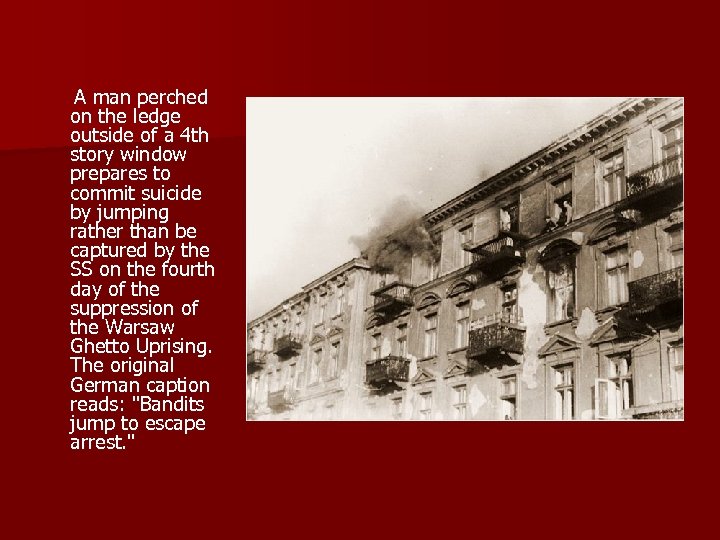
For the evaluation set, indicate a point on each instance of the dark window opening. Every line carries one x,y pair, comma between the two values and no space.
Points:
510,218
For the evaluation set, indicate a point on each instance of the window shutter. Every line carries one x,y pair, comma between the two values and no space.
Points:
605,399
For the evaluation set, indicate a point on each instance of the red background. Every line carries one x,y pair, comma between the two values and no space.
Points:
315,478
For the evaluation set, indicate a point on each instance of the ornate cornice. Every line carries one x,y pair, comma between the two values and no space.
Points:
587,133
336,274
358,262
289,304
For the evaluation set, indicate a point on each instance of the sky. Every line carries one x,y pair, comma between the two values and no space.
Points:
321,170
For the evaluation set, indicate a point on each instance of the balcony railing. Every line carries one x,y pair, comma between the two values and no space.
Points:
281,400
288,345
515,318
497,246
656,188
657,175
661,290
498,255
385,371
255,361
496,334
393,297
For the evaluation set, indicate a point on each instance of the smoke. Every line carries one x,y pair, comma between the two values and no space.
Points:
390,246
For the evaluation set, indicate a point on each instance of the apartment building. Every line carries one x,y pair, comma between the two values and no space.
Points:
303,355
554,291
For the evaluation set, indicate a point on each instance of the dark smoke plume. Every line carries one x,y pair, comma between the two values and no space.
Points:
401,233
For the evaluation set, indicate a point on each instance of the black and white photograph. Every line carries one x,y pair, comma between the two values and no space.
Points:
450,259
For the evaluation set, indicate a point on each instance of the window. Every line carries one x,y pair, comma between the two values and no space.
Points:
288,373
375,346
425,406
460,402
672,139
431,322
276,380
274,334
510,218
433,270
564,391
340,300
613,178
292,377
299,377
620,374
434,264
466,236
509,303
322,303
255,340
675,241
615,394
332,367
285,322
508,395
616,268
396,408
402,350
314,377
677,365
295,376
560,210
462,315
298,324
561,282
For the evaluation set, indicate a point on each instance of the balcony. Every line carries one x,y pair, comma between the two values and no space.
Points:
280,400
386,371
287,346
499,255
255,361
494,337
392,299
658,298
656,188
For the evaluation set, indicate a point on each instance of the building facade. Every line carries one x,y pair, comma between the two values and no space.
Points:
555,292
302,356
